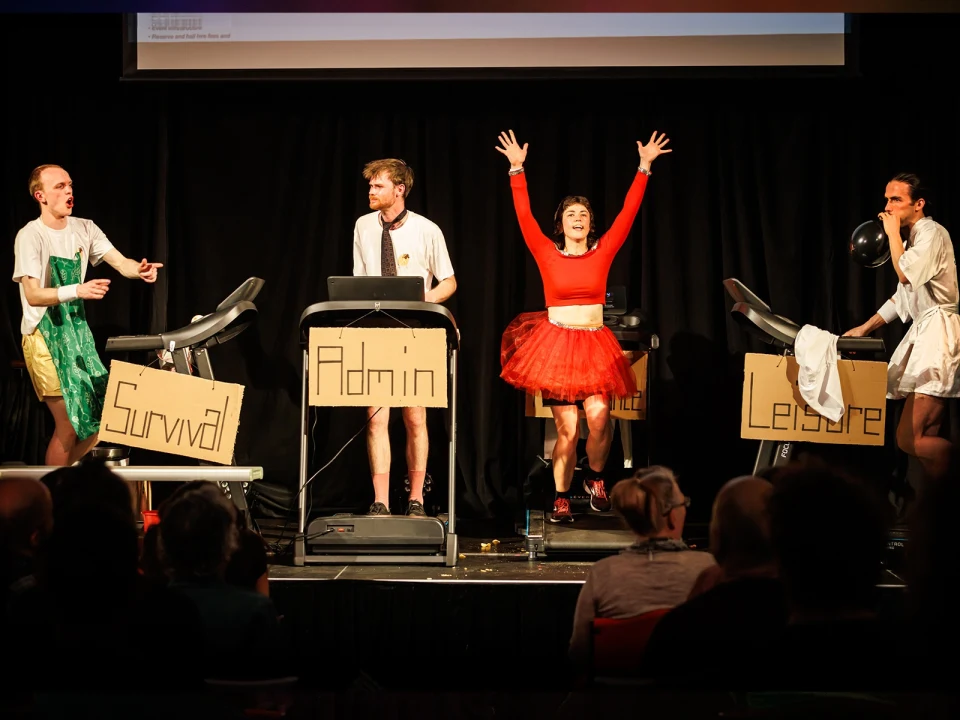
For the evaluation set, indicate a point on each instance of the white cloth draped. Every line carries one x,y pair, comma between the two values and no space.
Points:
818,378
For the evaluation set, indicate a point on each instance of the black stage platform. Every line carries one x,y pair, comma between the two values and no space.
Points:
497,617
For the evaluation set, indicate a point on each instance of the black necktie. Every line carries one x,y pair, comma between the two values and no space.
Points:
388,259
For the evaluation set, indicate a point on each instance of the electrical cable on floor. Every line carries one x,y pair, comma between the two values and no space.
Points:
276,546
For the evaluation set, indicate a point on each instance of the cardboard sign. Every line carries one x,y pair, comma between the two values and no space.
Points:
631,408
773,408
170,412
377,367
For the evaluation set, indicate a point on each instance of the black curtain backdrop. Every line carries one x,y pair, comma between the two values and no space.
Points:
223,180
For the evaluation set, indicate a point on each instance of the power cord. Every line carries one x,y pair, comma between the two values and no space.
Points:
276,547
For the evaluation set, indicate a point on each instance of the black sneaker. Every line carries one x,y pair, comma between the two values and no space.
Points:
594,486
561,511
415,509
378,508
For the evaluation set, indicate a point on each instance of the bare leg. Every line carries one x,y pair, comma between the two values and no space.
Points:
597,410
418,447
64,437
378,451
83,447
567,419
64,448
918,433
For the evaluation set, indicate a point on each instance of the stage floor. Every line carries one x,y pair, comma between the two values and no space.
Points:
506,562
497,614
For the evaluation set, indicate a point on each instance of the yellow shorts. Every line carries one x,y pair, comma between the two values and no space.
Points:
43,373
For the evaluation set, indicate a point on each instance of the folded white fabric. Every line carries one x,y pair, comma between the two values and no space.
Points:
819,379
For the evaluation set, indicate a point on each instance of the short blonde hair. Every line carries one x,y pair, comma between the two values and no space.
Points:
35,182
397,170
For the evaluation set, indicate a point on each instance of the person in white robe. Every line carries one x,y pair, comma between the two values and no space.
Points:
925,367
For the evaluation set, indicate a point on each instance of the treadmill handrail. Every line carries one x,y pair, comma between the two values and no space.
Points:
739,292
861,344
778,329
342,313
205,331
784,332
209,327
247,291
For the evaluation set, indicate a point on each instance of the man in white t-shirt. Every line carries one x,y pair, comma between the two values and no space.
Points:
393,240
51,256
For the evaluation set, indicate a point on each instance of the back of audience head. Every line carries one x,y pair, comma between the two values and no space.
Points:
248,564
651,503
828,532
739,525
92,553
198,532
26,514
91,483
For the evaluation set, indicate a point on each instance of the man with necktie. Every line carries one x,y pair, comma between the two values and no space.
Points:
393,240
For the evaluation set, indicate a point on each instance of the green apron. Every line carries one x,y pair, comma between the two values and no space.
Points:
83,378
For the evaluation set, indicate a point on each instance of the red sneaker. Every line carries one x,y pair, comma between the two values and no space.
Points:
597,491
561,511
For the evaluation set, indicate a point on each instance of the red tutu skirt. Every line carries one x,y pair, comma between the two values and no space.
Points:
564,363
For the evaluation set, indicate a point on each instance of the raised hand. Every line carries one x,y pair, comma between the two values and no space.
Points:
93,289
511,148
653,149
148,271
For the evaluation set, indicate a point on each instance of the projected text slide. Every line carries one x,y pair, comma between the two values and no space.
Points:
205,41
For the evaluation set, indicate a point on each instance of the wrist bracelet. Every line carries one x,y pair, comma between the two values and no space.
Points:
516,172
644,170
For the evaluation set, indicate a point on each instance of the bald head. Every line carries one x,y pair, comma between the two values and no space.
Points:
26,512
739,530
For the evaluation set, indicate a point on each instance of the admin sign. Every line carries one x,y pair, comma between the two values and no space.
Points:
377,367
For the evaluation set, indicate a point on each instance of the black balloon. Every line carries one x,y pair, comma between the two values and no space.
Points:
869,244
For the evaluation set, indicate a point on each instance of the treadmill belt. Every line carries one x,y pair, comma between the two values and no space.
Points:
587,533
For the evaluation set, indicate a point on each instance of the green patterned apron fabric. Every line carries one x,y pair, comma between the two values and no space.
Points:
83,378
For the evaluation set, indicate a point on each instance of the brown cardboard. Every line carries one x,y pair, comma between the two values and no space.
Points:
170,412
377,367
632,408
773,408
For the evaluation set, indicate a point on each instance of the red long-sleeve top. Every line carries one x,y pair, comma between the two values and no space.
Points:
575,279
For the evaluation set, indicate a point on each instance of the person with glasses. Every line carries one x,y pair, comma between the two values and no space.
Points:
393,240
657,571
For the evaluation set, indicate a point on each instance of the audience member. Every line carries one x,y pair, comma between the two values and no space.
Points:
657,571
829,535
198,536
725,626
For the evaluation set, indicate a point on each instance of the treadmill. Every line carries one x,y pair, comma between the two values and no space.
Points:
346,538
187,347
758,320
592,534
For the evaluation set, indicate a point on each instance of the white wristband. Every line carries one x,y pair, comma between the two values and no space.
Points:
66,293
888,312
